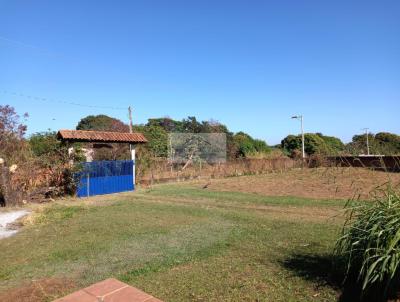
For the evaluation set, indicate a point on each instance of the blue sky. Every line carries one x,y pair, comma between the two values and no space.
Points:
248,64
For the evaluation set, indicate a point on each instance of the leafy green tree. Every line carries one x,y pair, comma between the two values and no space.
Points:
106,123
168,124
102,123
383,143
291,143
191,125
49,151
44,143
388,143
12,130
246,146
333,143
314,143
157,138
358,145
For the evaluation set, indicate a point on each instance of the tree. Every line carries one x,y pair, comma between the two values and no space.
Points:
246,146
388,143
106,123
157,138
102,123
358,145
12,131
383,143
13,150
44,143
314,143
333,143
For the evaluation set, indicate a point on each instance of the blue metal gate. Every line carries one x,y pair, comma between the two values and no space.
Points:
105,177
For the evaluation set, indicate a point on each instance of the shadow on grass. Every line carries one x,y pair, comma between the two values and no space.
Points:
324,271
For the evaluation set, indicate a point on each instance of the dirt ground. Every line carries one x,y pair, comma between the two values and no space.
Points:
38,290
325,183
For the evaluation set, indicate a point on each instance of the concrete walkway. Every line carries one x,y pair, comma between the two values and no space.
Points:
7,218
110,290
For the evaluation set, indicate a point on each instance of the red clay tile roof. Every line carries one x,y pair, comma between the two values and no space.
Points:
101,136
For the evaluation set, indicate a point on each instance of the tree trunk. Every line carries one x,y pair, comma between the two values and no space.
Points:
4,176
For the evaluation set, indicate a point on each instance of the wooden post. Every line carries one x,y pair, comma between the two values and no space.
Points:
130,120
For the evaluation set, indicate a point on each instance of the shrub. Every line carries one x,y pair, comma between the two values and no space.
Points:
370,246
247,146
314,143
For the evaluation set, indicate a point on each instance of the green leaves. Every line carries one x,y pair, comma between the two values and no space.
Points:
315,143
370,243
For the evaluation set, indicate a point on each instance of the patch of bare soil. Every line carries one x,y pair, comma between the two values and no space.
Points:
39,290
321,183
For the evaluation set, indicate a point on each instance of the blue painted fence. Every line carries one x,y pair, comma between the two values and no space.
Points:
105,177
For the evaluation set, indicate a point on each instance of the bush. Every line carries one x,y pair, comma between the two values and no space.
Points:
370,246
314,143
247,146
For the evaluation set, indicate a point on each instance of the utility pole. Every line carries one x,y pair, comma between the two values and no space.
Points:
300,117
130,119
367,133
132,148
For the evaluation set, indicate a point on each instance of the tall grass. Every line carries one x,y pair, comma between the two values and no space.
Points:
370,245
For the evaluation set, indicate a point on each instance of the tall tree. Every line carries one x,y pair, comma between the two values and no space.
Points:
12,131
106,123
315,143
102,123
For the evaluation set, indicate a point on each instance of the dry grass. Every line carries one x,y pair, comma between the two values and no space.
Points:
39,290
322,183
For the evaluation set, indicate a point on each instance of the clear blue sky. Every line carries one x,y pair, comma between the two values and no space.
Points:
248,64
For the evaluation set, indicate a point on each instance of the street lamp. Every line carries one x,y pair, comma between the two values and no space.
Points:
366,134
300,117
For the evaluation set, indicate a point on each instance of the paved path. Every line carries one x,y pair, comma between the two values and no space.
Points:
110,290
9,217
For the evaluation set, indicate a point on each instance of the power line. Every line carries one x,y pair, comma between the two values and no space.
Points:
43,99
31,47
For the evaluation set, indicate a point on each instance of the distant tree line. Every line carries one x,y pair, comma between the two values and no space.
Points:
39,164
382,143
239,145
156,131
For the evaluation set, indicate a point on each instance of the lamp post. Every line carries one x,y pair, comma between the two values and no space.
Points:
300,117
366,134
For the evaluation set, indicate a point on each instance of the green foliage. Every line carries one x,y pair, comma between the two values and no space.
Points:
358,145
12,130
383,143
370,245
291,143
50,151
102,123
156,131
157,137
239,145
314,143
106,123
247,146
388,143
333,142
44,143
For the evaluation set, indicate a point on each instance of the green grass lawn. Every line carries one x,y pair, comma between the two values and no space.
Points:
182,243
